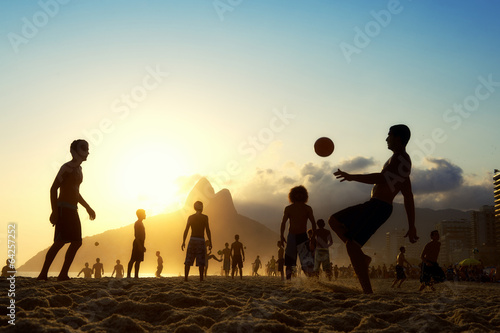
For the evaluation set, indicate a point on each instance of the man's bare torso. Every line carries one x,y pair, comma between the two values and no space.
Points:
198,223
71,178
298,213
396,172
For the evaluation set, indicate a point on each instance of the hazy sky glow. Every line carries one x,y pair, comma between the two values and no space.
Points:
238,91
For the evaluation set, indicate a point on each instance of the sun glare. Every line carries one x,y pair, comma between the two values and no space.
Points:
147,179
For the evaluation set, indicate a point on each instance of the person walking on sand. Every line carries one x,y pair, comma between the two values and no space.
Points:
431,271
237,256
226,254
196,249
297,241
355,225
322,255
400,267
256,265
87,271
118,269
159,266
138,247
98,269
64,214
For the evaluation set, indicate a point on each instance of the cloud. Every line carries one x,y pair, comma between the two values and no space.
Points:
443,176
356,164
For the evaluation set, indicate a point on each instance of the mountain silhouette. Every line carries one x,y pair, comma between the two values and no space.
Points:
164,233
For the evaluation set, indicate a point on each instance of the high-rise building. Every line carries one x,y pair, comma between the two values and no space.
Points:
496,193
483,235
456,241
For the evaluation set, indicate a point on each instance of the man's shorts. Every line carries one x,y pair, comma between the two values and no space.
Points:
293,242
400,272
68,226
237,261
363,220
137,251
196,249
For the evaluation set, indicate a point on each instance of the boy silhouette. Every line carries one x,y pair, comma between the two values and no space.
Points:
322,255
226,253
64,214
118,269
138,248
400,269
237,256
431,271
196,249
355,225
98,269
297,241
281,260
87,271
159,268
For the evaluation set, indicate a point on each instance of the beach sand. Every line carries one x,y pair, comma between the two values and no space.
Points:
254,304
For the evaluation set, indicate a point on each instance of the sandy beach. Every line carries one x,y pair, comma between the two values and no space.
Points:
254,304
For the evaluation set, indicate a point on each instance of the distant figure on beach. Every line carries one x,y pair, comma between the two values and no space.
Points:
355,225
5,268
159,266
281,260
336,271
118,269
138,247
256,265
196,249
237,256
272,266
64,214
400,267
226,254
98,269
297,241
322,256
208,256
431,271
87,271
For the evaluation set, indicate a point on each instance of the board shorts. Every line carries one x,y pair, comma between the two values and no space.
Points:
237,261
297,244
196,250
137,251
68,226
363,220
322,258
400,272
434,272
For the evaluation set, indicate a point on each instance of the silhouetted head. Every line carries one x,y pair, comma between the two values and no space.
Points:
227,244
399,132
435,235
402,249
198,206
141,214
298,194
79,149
86,264
237,237
321,223
97,259
118,261
157,253
279,244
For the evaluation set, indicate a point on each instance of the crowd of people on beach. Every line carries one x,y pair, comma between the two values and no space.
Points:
354,226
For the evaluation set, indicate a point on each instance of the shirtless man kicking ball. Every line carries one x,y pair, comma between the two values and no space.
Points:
355,225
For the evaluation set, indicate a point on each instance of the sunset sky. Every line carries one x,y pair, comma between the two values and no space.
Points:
238,91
